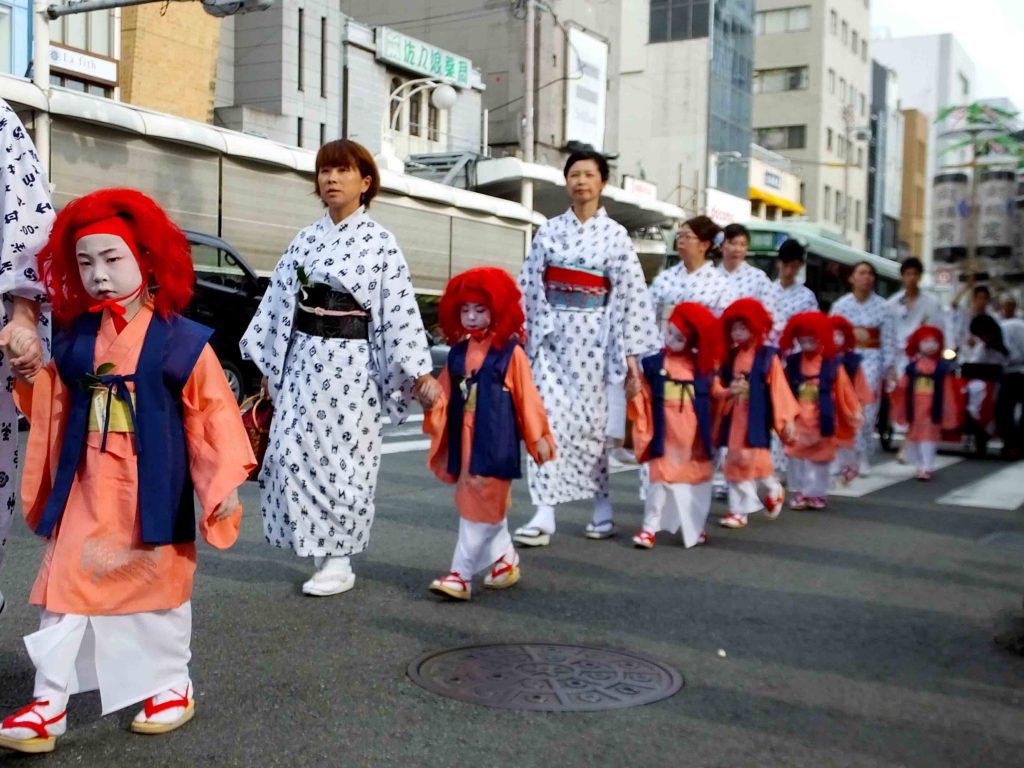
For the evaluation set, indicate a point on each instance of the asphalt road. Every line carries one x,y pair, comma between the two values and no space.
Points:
861,636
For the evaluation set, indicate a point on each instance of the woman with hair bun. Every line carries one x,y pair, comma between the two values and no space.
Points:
694,278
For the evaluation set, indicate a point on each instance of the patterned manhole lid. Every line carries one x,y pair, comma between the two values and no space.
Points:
545,677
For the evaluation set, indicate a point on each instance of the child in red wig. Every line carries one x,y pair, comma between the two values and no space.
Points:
756,400
829,409
132,415
926,400
489,406
844,339
673,414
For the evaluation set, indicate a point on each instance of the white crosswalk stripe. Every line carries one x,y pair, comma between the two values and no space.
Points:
999,490
885,474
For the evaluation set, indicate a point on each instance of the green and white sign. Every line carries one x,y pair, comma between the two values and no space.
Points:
425,59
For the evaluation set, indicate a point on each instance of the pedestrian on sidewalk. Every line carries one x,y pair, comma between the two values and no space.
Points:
846,465
926,400
674,414
488,406
829,409
755,403
27,218
339,338
131,416
588,316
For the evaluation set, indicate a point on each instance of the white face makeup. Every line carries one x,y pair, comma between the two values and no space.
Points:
928,346
839,339
475,317
739,333
808,344
674,338
107,267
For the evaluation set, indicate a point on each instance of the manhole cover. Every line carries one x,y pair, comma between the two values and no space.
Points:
545,677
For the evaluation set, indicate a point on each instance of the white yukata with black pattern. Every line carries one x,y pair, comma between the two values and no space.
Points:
793,300
319,476
750,282
705,285
875,312
27,218
576,353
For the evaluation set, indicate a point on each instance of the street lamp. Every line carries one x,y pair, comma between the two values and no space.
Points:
442,96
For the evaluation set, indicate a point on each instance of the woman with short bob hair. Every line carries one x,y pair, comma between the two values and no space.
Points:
587,318
339,339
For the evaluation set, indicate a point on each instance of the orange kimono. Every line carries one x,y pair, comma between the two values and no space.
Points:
864,396
685,460
923,429
485,499
743,462
808,442
95,563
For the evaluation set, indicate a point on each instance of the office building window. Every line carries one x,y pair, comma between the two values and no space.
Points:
827,207
839,207
679,20
833,22
323,134
832,82
301,47
415,107
782,137
433,123
857,218
842,89
828,139
863,50
795,19
841,144
845,36
855,42
776,80
298,131
323,56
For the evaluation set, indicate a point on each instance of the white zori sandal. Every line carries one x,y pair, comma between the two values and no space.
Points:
165,712
529,536
34,729
504,573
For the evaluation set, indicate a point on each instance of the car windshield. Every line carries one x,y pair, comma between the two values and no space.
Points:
217,266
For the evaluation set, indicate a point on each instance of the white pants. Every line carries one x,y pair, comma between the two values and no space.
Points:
480,545
678,507
922,453
809,478
616,412
779,457
845,457
743,498
128,657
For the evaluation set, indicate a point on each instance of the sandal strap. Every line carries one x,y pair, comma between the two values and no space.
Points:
39,728
501,567
456,576
645,536
152,708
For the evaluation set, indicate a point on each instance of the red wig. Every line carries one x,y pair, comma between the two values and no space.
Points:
159,246
495,289
752,313
814,324
845,327
700,327
922,333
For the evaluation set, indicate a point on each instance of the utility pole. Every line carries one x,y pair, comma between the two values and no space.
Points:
528,101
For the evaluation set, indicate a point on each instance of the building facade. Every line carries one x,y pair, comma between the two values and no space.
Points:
775,191
812,82
914,207
934,72
885,163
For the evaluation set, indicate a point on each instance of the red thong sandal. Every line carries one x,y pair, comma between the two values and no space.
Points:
151,708
45,739
644,540
503,574
452,585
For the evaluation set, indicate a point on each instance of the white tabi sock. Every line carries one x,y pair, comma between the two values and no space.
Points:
336,565
602,511
543,519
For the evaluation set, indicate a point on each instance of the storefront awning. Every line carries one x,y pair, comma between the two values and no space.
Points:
504,177
779,202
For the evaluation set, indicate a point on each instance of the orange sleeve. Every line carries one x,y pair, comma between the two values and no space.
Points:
45,404
898,400
531,415
849,415
785,408
721,392
220,456
435,424
862,388
640,413
952,409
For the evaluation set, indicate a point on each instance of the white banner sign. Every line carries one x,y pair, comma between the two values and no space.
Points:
724,208
84,64
587,90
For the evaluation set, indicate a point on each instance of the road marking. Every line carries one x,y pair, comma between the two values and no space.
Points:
405,446
1000,490
885,474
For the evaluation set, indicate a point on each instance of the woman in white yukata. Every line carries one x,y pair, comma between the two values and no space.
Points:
587,318
339,338
874,330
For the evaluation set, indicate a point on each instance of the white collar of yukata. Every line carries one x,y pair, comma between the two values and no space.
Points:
598,214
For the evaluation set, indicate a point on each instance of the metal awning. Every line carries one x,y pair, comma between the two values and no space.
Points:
504,176
779,202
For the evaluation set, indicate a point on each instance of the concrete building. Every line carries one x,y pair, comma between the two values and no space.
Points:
916,183
775,191
934,72
885,163
812,81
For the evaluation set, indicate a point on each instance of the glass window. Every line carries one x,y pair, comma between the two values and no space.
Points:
99,32
857,218
833,22
842,89
863,50
827,212
855,42
433,128
395,105
6,64
828,139
323,134
659,21
832,82
845,33
679,20
863,105
298,132
323,57
415,105
775,22
76,33
799,19
839,207
215,266
776,80
782,137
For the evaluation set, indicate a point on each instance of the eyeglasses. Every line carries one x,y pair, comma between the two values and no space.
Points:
689,236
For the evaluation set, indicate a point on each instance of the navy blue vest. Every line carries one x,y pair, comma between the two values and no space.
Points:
851,362
495,430
169,353
826,380
938,393
654,372
759,422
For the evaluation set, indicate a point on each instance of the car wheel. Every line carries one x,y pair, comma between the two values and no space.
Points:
234,377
